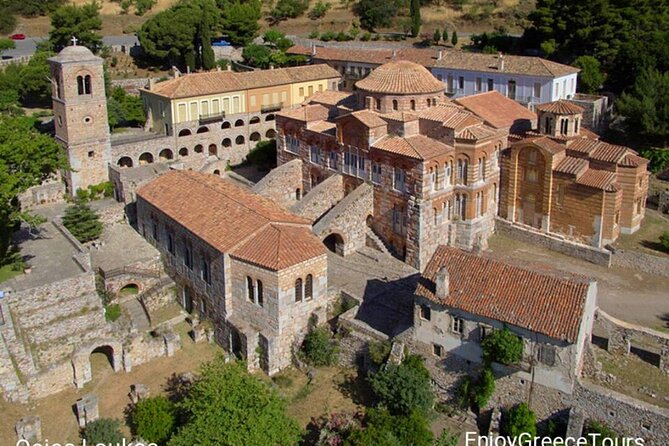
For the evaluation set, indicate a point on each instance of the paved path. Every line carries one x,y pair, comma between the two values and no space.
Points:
137,314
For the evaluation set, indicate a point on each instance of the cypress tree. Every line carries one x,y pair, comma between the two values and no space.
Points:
454,38
445,36
208,57
415,17
436,37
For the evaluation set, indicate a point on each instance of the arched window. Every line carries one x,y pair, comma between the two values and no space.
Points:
239,140
413,104
183,151
298,290
227,142
269,117
249,288
80,85
259,292
309,287
198,148
87,84
255,120
239,123
225,125
203,129
394,104
429,104
184,132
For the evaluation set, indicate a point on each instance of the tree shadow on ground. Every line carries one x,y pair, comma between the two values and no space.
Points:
355,386
655,246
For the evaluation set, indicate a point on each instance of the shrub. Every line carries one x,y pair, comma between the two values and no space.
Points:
484,388
446,439
263,154
520,419
366,37
113,312
404,388
319,10
82,222
328,35
664,240
103,430
383,428
154,419
285,9
342,37
436,37
319,348
594,427
313,34
335,428
503,347
379,351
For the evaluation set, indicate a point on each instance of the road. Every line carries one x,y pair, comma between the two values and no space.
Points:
28,46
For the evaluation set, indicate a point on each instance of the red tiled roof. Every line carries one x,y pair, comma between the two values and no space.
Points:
572,165
332,98
543,142
367,118
229,218
475,133
560,107
374,56
632,160
599,150
401,77
400,116
598,179
496,109
539,302
306,113
417,147
214,82
440,113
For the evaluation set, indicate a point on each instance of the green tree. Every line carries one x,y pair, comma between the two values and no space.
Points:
82,222
103,430
32,8
7,21
319,10
520,419
208,57
591,78
35,87
503,347
645,107
6,44
444,36
40,156
257,55
415,17
384,429
403,388
239,20
454,38
605,432
436,37
287,9
229,407
483,389
125,110
319,348
81,22
154,419
374,14
664,240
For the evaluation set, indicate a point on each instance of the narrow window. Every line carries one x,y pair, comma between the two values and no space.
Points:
457,325
425,312
437,350
87,84
249,288
80,85
170,243
259,293
298,290
309,287
395,105
413,104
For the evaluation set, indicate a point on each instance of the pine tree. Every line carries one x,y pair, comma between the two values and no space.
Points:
82,222
454,38
415,17
445,36
436,37
208,57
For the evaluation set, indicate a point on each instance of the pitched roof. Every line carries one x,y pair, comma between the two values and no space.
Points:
560,107
332,98
475,133
215,82
232,219
375,56
401,77
571,165
367,118
417,147
306,113
598,179
600,150
537,301
545,143
496,109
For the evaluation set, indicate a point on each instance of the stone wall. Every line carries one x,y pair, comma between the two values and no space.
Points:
595,110
46,193
355,338
663,204
283,185
650,264
625,415
551,241
321,198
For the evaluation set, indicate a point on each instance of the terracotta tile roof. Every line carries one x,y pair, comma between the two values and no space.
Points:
540,302
599,150
598,179
228,217
440,113
460,60
332,98
572,166
460,120
278,246
524,65
306,113
401,77
632,160
400,116
367,118
496,109
326,127
214,82
560,107
544,142
417,147
475,133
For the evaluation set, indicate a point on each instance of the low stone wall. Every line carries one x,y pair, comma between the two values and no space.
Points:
280,184
81,255
47,193
663,203
625,415
650,264
553,242
111,215
321,198
355,338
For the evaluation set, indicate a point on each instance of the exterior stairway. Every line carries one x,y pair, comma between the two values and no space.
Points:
377,242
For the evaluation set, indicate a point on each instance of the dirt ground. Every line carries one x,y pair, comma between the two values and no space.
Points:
627,294
59,423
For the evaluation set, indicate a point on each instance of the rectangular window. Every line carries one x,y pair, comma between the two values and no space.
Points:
457,325
537,90
301,91
216,106
265,99
546,355
461,82
320,87
399,178
484,331
275,98
462,171
292,144
235,105
376,173
311,90
511,89
437,350
284,96
399,220
491,84
559,199
425,312
531,175
333,160
206,272
170,243
479,84
253,101
204,108
315,154
188,256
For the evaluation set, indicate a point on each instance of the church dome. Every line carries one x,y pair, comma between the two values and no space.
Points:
75,53
399,78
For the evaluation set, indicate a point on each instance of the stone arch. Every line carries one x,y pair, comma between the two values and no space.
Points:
130,288
198,148
255,136
213,150
239,123
225,125
166,154
227,142
183,151
146,158
81,360
124,161
217,172
271,133
335,242
255,120
185,132
203,129
270,117
240,140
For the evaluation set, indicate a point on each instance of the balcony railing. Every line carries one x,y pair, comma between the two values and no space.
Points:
211,117
271,108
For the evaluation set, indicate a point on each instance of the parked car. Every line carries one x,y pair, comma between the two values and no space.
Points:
221,43
17,36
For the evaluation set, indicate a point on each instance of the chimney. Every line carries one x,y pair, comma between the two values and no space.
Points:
271,67
394,53
313,49
442,280
151,83
175,72
440,55
229,66
500,62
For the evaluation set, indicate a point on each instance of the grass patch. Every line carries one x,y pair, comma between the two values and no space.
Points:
283,381
8,272
647,238
166,313
129,290
112,312
304,392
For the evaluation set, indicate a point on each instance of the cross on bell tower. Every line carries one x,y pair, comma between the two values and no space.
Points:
74,41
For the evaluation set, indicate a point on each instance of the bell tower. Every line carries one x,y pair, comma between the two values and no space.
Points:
80,115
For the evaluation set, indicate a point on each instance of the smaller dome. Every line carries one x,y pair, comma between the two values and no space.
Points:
560,107
401,77
75,53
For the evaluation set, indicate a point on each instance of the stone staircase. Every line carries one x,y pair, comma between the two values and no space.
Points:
377,242
15,359
138,316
